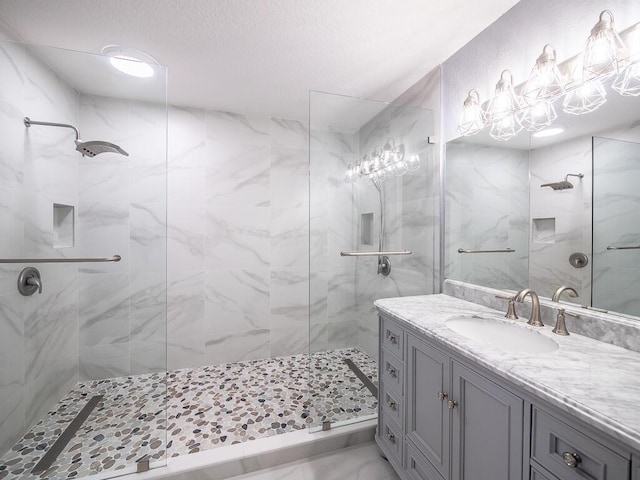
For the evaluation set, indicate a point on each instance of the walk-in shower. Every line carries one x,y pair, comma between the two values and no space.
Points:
90,149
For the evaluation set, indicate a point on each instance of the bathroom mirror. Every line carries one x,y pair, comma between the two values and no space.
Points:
582,210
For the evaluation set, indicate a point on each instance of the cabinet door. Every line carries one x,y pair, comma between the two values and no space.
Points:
487,429
427,416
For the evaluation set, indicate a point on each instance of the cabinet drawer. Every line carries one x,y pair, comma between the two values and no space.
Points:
390,438
417,466
538,475
391,403
392,338
392,372
554,445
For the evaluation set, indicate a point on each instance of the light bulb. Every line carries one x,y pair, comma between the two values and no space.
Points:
604,50
586,98
502,109
545,83
539,116
472,119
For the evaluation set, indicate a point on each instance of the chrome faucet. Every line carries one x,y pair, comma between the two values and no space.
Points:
534,319
561,327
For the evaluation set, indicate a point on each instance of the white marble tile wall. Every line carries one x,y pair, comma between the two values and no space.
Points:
122,211
487,197
38,166
238,237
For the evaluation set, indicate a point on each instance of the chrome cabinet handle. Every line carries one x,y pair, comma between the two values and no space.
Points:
392,372
442,395
392,404
391,437
452,404
571,459
392,338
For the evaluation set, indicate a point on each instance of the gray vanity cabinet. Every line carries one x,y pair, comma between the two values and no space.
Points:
428,418
466,426
487,428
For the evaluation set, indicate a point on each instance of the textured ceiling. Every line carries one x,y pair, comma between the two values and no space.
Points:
263,56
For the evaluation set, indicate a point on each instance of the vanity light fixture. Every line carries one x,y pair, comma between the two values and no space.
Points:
130,61
585,98
628,83
604,50
545,83
605,56
382,163
472,119
502,109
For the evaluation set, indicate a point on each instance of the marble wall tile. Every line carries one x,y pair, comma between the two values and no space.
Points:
291,134
148,236
103,308
236,347
289,299
237,174
289,177
148,307
236,300
104,361
289,341
237,237
234,127
185,236
148,357
186,305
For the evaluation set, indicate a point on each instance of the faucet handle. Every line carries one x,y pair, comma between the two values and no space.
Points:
511,309
561,327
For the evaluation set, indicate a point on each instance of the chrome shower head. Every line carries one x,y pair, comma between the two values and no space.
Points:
90,149
96,147
565,184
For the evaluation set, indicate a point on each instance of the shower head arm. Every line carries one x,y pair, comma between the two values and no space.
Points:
28,122
579,175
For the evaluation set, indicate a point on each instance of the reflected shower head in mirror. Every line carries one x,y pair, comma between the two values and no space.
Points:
565,184
89,149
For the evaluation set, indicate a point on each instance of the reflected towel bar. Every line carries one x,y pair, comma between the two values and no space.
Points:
374,254
613,247
115,258
501,250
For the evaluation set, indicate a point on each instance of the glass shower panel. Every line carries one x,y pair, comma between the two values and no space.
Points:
82,266
373,188
616,225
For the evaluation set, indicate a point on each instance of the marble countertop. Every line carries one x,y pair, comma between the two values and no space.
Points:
592,380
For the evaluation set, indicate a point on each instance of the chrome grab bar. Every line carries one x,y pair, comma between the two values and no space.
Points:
374,254
115,258
613,247
500,250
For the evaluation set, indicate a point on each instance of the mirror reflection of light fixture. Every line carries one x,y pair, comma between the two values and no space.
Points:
545,83
585,98
382,163
472,119
604,50
502,108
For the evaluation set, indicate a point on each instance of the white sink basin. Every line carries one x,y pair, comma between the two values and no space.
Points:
501,335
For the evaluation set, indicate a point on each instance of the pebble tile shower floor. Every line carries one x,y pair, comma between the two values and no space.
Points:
207,407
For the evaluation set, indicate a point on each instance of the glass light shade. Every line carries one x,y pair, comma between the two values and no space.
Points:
604,50
628,83
539,116
401,168
545,83
472,119
585,99
502,109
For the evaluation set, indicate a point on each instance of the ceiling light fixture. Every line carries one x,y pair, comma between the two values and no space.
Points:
545,83
130,61
548,132
472,119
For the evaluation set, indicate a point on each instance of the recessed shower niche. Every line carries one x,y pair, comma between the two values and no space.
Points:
63,226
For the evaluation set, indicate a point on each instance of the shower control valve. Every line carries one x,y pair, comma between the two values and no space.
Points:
29,281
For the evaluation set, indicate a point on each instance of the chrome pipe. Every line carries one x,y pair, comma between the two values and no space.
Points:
613,247
374,254
500,250
28,122
115,258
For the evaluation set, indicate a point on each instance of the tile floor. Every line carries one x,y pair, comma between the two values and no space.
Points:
206,408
